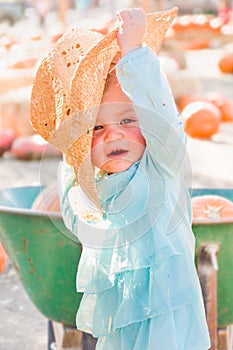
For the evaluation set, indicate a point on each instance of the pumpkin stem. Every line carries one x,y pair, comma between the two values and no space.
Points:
213,212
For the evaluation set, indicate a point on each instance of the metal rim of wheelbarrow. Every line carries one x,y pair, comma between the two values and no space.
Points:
212,221
37,213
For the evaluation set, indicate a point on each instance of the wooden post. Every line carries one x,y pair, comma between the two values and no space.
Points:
67,337
207,270
225,338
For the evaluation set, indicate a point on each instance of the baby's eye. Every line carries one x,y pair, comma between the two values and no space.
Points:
98,127
127,121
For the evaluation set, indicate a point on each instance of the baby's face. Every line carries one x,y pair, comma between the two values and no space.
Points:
117,140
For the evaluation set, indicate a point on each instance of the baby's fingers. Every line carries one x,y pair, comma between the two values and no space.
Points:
130,14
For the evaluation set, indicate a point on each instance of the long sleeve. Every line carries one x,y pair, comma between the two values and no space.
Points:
142,80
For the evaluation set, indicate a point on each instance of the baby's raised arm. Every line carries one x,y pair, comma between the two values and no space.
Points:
132,29
143,81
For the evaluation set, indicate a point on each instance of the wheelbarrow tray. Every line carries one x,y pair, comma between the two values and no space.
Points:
221,233
43,252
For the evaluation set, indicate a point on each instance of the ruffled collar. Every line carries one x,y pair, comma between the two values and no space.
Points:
111,186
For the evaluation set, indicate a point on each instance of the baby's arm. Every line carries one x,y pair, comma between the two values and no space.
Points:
143,81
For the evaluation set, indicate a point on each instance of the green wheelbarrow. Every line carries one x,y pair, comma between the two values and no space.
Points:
43,252
45,255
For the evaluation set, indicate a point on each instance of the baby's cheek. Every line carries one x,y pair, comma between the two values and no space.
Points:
95,142
137,136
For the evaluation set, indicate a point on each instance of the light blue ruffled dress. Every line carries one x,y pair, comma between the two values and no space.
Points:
137,271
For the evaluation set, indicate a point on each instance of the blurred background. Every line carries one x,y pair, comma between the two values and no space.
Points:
197,57
15,10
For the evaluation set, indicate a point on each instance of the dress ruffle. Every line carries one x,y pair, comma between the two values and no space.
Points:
98,267
138,308
135,295
142,335
127,294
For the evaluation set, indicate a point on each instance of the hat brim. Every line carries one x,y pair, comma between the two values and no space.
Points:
85,94
157,26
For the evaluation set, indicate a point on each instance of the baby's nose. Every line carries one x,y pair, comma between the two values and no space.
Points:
114,132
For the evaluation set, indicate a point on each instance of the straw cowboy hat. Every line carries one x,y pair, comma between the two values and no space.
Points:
68,89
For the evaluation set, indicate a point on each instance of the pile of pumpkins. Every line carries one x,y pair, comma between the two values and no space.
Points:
22,59
200,31
19,59
203,116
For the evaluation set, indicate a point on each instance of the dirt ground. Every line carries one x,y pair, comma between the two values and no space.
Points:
22,326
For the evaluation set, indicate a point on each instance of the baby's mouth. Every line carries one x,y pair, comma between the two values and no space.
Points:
117,153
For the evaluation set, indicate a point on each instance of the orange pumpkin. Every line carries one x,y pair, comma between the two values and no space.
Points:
225,63
56,37
181,23
211,207
3,257
7,41
216,24
176,27
7,137
226,108
197,44
32,147
200,21
184,99
201,119
48,199
36,37
106,27
197,24
26,63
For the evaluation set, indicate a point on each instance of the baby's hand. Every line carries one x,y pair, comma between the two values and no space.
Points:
132,29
